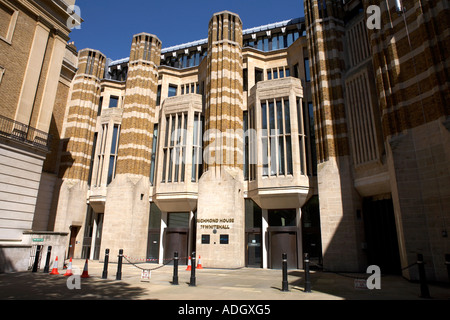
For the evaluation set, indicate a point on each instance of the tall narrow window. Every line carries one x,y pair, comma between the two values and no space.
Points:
166,145
245,79
276,137
246,146
113,153
197,148
91,167
153,158
101,154
258,75
100,105
172,90
113,102
307,74
158,96
265,141
175,148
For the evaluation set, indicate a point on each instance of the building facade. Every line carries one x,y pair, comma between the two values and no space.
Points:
319,135
36,69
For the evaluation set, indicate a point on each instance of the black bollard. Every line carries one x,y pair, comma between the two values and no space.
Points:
307,278
105,265
175,268
192,283
285,285
119,266
47,261
424,292
36,258
447,263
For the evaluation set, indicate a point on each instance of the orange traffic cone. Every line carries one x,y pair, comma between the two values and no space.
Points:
189,265
85,271
55,267
199,264
69,269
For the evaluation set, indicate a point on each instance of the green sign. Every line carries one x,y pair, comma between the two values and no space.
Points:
38,239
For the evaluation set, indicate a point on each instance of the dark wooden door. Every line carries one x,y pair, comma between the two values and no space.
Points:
73,236
176,239
283,240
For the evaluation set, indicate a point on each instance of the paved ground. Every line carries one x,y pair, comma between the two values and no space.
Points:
211,284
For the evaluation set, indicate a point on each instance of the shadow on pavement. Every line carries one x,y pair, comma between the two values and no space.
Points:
39,286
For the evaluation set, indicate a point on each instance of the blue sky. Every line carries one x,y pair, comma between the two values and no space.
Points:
109,25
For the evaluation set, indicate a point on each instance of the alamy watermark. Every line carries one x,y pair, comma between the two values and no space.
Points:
374,280
74,281
74,20
374,17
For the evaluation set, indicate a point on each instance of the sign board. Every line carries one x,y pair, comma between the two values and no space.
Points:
146,275
38,239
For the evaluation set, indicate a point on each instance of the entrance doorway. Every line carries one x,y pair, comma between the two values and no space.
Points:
176,240
283,237
253,252
283,240
381,235
73,236
253,235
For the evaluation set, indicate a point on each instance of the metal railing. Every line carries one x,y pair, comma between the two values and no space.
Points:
24,133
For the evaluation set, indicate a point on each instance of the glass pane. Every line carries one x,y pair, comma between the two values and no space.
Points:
271,117
114,139
275,43
183,160
288,155
264,117
178,220
111,169
287,116
166,140
290,39
275,73
153,158
113,102
307,75
279,117
172,91
172,132
194,164
164,166
196,120
177,164
273,156
280,155
282,217
169,176
265,150
281,73
269,74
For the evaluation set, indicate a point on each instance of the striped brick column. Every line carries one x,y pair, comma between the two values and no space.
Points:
224,92
79,128
341,232
127,204
138,118
220,188
82,116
